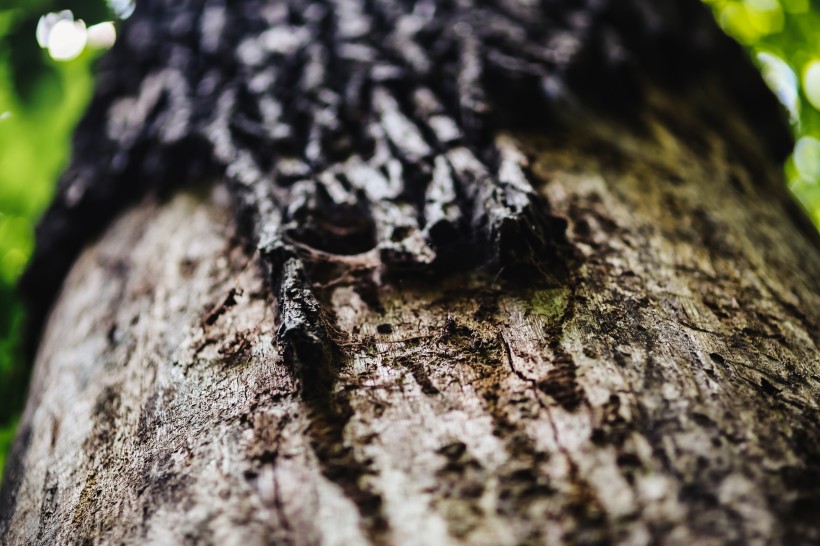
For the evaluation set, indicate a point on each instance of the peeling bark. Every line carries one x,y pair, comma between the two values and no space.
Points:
347,125
460,329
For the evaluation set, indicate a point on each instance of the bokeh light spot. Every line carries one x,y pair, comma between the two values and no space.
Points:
807,157
122,8
811,83
67,40
47,22
102,35
782,80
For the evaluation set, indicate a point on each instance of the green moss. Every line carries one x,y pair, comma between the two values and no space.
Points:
550,304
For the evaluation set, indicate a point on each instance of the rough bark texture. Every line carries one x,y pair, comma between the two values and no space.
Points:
347,125
666,393
634,361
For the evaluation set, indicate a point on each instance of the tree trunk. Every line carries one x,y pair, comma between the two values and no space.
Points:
601,331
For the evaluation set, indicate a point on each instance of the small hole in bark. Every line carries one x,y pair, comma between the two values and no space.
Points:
453,451
628,460
442,234
768,388
400,233
384,329
344,230
717,358
582,228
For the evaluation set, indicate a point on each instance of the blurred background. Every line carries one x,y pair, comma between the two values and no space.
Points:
45,84
47,49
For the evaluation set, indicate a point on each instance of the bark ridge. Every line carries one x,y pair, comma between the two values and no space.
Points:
351,125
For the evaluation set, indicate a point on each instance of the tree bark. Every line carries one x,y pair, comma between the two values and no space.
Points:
635,361
668,393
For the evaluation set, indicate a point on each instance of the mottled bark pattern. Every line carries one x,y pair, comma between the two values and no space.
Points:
437,297
666,393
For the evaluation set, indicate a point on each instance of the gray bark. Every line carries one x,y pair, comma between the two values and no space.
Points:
435,295
667,393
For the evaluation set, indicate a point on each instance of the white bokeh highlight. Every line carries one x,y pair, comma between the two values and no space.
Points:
66,38
811,82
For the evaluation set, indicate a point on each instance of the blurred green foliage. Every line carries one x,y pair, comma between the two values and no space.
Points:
784,38
41,100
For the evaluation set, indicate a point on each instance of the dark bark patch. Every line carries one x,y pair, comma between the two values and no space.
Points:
314,356
768,388
149,419
460,483
610,427
104,430
712,234
267,429
188,267
55,430
419,372
523,484
591,524
561,382
384,329
799,516
717,358
337,228
373,125
237,351
329,415
218,310
689,133
48,507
